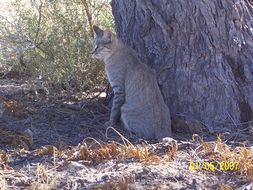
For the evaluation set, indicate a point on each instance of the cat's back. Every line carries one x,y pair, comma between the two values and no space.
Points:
135,63
144,109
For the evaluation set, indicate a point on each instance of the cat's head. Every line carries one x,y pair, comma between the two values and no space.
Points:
103,43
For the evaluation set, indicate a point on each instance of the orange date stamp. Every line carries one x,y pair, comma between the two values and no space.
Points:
214,166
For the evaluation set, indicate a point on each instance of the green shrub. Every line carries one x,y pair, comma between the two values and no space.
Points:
53,39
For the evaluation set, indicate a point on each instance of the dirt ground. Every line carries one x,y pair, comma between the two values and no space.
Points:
60,142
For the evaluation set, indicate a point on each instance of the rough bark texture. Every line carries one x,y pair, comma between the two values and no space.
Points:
206,48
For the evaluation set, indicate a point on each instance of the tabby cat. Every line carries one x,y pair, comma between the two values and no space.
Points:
137,101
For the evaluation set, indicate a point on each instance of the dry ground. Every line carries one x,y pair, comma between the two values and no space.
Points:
60,142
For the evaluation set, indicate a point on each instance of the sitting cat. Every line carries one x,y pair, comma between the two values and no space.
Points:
137,101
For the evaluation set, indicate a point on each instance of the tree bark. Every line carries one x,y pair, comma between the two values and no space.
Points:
204,50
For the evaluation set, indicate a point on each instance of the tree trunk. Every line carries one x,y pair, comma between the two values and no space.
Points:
204,50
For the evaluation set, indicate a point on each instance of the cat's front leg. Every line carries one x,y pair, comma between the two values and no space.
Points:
118,101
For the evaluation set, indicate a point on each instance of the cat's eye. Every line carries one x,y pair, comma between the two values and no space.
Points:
97,47
94,49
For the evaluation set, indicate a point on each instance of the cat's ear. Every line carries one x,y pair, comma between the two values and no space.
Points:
98,31
107,34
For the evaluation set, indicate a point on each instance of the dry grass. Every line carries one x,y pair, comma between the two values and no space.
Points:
245,159
121,184
142,154
172,150
3,157
13,107
3,185
43,181
47,150
114,151
95,153
218,151
225,187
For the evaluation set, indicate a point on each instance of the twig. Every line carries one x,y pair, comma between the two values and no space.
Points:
122,137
